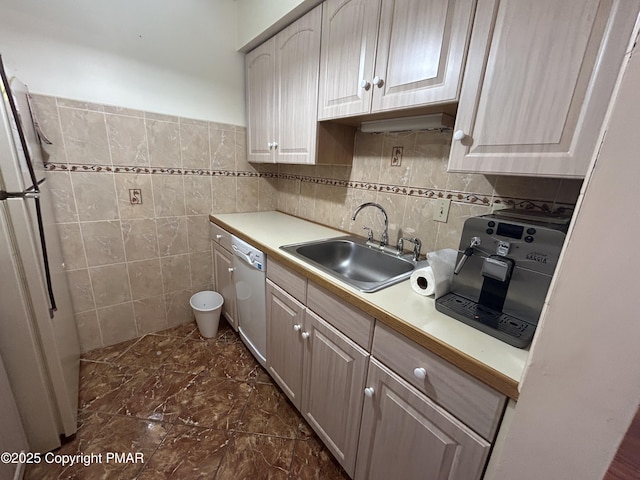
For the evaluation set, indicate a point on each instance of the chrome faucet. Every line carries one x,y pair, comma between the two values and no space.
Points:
385,235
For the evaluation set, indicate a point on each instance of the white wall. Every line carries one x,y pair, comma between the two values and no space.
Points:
261,19
582,387
165,56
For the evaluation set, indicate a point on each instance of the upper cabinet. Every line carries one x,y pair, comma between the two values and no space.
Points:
260,97
537,85
282,100
381,55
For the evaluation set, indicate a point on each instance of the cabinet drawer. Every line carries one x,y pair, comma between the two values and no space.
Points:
220,236
477,405
355,324
292,283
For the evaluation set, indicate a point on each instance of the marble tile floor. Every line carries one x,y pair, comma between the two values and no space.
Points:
191,408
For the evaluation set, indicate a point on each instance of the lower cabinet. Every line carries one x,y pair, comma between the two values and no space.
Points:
223,274
334,375
406,435
285,316
320,369
397,412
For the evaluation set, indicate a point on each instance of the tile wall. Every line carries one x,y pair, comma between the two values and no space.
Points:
409,192
133,266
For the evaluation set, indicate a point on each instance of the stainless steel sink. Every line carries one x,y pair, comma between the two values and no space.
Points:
352,260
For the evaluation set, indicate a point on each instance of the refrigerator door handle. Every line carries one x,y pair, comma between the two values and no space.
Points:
45,259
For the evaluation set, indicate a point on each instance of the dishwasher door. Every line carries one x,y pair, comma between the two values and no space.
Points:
249,275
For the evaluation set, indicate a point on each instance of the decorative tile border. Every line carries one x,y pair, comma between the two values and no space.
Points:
74,167
458,197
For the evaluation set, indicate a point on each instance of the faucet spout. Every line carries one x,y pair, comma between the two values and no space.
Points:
385,234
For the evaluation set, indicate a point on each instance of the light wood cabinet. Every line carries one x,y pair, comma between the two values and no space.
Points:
320,370
334,374
282,100
285,318
223,272
471,401
406,435
260,103
382,55
422,417
351,321
537,85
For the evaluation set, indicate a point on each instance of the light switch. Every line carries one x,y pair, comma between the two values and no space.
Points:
441,212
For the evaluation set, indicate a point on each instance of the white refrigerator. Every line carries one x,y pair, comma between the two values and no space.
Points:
38,336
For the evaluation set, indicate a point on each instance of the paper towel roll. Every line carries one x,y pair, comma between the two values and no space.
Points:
423,281
435,279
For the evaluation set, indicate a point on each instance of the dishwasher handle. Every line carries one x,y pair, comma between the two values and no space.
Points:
248,258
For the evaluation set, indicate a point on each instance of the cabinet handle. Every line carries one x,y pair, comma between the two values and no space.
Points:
420,373
270,145
297,328
365,84
459,135
230,269
275,145
305,335
378,82
368,392
218,236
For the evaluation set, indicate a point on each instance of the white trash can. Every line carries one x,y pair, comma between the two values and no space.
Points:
207,306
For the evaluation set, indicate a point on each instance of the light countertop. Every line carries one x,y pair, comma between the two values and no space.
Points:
490,360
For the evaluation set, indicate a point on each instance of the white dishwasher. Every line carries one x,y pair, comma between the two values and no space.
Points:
250,271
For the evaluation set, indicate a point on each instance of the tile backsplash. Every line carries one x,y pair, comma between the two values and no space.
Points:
132,267
409,192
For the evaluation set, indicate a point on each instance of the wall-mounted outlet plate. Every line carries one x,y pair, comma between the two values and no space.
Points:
396,156
135,196
441,212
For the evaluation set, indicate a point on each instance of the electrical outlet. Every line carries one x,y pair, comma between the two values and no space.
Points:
396,156
441,212
135,196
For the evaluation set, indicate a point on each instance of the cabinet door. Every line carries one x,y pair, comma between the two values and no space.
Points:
537,85
261,100
349,31
297,65
421,52
284,341
223,272
334,374
405,435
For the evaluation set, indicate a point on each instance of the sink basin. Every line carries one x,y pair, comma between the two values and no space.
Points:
350,259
